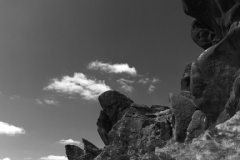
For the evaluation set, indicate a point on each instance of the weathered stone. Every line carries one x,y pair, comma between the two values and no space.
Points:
123,157
104,126
217,15
73,152
202,35
197,125
87,156
113,103
185,81
139,131
231,127
182,109
233,103
90,148
213,74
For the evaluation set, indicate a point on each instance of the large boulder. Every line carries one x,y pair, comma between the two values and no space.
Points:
182,109
73,152
215,29
213,74
114,104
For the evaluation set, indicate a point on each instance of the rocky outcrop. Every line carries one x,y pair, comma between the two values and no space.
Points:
139,131
207,106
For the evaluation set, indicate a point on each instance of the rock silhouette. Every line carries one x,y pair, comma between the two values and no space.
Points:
207,106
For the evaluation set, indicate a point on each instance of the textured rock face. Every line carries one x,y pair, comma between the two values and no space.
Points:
139,131
214,72
231,127
104,126
202,35
182,108
90,148
197,125
73,152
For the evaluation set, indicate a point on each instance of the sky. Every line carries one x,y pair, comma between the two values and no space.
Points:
57,56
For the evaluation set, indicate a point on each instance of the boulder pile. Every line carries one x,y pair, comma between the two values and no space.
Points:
209,99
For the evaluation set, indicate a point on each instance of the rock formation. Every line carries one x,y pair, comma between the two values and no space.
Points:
206,108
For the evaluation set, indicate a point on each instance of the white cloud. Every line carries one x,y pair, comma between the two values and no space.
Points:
144,80
151,88
39,101
5,159
127,88
112,68
155,80
11,130
122,80
69,141
147,80
88,89
52,157
51,101
124,84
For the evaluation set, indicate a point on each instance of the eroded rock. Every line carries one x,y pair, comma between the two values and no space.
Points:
139,131
104,126
182,109
197,125
73,152
90,148
114,104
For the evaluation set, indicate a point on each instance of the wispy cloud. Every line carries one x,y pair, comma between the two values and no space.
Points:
14,97
155,80
88,89
151,88
52,157
51,102
5,159
124,84
113,68
147,80
9,129
69,141
143,80
39,101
